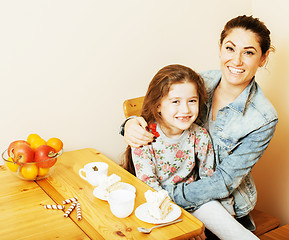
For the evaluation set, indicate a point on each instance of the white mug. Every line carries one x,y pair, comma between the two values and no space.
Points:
95,172
121,202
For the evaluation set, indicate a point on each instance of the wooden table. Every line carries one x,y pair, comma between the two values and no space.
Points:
22,215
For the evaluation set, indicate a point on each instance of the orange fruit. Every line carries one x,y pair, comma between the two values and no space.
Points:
31,137
37,142
11,165
43,172
29,171
56,143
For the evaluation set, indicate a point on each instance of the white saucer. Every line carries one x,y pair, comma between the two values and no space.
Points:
142,213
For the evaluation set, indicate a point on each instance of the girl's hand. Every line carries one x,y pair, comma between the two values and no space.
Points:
135,133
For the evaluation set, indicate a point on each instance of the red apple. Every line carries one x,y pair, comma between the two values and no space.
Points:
45,156
14,144
22,153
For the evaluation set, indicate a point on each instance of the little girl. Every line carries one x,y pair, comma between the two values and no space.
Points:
182,150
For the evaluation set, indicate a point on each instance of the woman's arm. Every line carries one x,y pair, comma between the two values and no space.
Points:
135,133
228,175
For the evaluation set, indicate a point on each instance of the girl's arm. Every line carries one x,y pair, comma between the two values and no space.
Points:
144,166
228,175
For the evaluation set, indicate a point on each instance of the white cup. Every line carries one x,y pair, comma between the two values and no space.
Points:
121,202
95,172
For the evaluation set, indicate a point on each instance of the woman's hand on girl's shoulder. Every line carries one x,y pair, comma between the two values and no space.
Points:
135,133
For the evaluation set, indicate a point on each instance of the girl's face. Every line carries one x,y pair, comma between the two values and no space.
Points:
179,109
240,57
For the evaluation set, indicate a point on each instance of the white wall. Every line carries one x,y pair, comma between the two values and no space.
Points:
271,172
66,66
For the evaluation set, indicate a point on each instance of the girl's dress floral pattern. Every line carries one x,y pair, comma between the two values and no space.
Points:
170,161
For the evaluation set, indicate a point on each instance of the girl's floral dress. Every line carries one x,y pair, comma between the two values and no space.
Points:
170,161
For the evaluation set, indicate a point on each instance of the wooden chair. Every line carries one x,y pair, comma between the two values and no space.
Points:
132,107
263,221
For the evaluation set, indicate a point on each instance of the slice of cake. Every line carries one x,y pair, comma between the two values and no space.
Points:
159,204
111,180
115,186
108,184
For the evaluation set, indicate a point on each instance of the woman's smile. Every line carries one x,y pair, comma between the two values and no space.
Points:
234,70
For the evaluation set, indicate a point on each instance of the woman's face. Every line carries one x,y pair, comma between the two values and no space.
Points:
240,57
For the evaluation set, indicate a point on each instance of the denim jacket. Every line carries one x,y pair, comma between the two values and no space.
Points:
242,132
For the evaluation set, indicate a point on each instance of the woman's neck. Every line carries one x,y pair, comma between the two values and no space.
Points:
224,94
230,91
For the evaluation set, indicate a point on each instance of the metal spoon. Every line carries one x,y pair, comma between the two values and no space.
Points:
148,230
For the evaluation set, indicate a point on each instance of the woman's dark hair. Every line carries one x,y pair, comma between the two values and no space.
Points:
252,24
158,88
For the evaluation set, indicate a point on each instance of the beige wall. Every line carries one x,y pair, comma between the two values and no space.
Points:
66,66
271,173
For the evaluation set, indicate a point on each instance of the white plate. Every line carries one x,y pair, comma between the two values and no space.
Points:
103,194
142,213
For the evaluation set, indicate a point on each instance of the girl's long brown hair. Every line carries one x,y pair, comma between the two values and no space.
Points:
158,88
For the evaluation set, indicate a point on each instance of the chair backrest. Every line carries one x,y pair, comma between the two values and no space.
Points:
132,107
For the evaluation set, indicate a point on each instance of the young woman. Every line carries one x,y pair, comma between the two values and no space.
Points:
171,107
240,119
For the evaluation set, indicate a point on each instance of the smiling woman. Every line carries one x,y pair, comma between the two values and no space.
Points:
240,57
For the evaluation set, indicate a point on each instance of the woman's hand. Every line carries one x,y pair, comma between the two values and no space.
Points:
135,133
